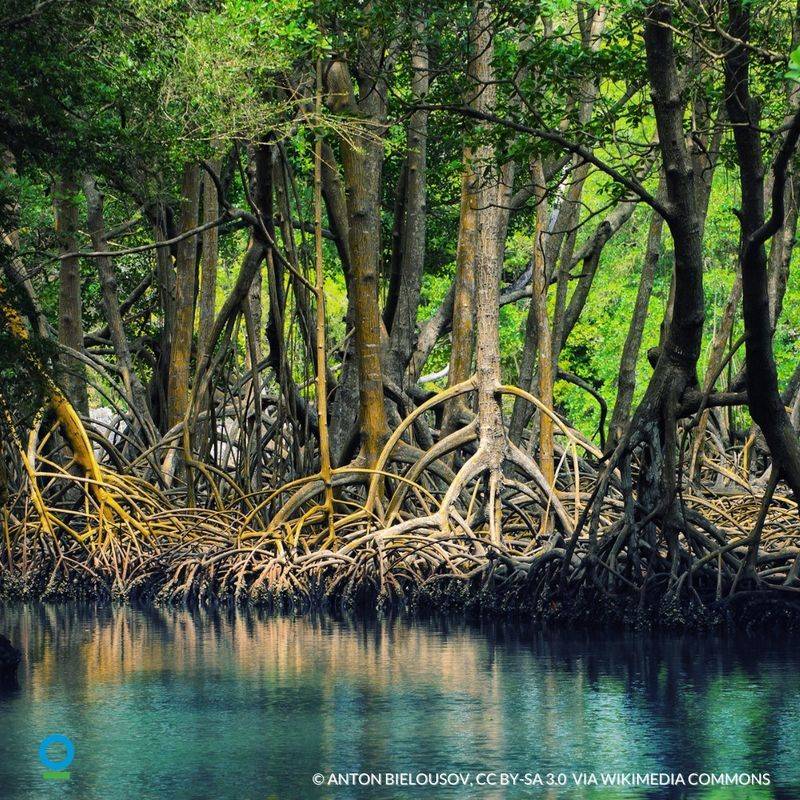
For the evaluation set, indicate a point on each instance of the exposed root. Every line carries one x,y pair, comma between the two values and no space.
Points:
408,531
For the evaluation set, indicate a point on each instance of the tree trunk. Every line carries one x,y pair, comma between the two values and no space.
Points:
135,392
626,381
254,309
185,282
72,372
546,366
766,405
412,249
780,253
463,303
654,424
208,269
494,193
343,425
481,97
163,229
682,347
258,248
15,270
362,162
559,263
336,207
721,339
588,256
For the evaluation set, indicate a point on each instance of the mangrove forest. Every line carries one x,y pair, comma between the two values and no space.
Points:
485,305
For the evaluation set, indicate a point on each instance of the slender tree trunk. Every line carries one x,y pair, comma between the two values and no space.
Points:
283,183
208,269
780,253
362,162
626,381
135,392
258,248
566,224
463,302
561,242
654,425
766,405
14,268
412,260
782,245
185,282
262,177
546,366
252,303
556,223
722,337
336,207
588,256
343,425
396,259
70,325
163,229
255,311
481,97
494,194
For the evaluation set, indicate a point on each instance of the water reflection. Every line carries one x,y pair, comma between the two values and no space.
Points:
172,704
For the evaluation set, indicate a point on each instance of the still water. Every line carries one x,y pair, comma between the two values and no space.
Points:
173,704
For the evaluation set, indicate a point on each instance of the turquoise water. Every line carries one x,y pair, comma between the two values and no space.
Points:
171,704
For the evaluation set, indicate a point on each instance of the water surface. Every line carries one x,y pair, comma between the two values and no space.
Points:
173,704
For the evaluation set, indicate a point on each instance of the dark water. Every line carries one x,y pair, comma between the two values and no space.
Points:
164,704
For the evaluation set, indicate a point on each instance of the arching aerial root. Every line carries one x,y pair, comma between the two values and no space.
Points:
405,532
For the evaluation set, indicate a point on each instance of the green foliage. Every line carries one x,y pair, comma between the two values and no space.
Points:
80,82
793,73
231,75
131,89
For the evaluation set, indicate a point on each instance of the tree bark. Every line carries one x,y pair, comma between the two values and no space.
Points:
626,380
462,338
764,399
185,282
682,347
494,193
654,424
208,268
481,98
546,365
362,162
343,427
403,328
135,392
72,372
163,229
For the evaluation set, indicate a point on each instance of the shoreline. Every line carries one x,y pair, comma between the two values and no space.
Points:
749,611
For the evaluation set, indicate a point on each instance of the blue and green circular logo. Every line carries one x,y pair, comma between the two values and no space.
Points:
56,752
